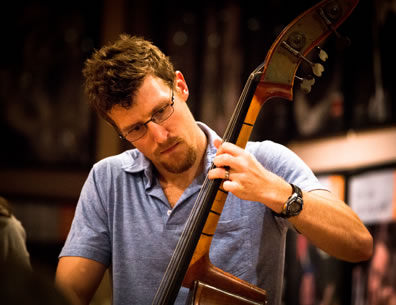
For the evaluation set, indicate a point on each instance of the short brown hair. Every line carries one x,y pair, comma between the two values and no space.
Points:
115,72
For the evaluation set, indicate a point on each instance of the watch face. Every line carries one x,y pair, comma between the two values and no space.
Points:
295,207
294,203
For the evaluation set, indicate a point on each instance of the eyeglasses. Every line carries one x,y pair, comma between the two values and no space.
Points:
158,117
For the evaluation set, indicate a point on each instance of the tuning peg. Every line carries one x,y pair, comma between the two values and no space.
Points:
306,83
333,12
322,54
317,69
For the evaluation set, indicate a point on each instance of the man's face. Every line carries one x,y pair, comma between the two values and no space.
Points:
172,144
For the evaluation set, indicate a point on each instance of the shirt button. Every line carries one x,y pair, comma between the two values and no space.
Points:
169,212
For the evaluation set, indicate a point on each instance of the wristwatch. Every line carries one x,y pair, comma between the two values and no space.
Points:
293,205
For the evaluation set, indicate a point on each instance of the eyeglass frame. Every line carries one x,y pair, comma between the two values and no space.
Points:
152,119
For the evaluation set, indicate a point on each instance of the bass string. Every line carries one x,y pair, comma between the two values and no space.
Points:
196,219
238,114
183,247
199,209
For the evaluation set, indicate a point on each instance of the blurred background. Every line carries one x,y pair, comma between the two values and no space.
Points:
345,129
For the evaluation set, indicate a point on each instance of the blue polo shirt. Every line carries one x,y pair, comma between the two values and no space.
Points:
124,221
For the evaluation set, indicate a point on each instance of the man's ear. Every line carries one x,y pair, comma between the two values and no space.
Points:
181,86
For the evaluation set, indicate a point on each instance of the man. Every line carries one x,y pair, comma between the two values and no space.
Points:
13,250
133,206
19,283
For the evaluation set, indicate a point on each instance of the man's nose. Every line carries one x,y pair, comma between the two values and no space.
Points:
157,131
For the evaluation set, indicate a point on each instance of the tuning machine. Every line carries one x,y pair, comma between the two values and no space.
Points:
306,83
330,13
294,44
322,54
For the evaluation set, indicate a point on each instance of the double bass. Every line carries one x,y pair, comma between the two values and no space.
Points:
190,265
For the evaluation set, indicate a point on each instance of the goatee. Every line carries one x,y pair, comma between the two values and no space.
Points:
183,162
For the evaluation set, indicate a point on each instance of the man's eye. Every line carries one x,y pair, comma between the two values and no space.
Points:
161,111
136,128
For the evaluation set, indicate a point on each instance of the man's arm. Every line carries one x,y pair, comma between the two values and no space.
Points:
78,278
329,223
